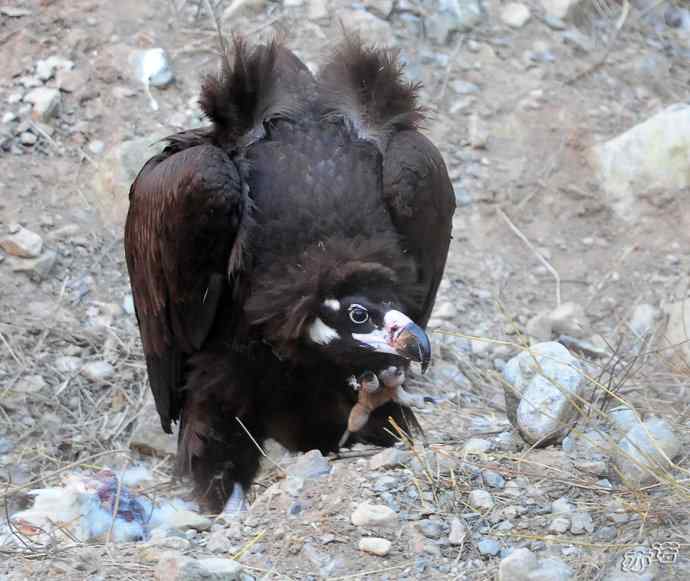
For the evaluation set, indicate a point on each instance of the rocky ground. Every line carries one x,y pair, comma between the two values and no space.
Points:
566,129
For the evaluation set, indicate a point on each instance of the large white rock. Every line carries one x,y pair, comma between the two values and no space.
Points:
543,382
652,155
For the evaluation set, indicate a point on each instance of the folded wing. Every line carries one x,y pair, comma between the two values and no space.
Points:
187,208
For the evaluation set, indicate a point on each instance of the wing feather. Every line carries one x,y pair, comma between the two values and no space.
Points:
186,208
421,200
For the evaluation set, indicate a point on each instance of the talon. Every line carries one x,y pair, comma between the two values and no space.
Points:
369,382
393,377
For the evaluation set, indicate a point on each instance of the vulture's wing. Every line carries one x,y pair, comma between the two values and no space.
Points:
181,234
421,200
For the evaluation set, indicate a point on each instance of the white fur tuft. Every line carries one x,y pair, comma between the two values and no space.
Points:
321,333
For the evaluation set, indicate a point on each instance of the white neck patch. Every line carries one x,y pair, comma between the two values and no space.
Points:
321,333
332,304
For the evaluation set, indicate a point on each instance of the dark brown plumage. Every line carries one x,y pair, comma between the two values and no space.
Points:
280,251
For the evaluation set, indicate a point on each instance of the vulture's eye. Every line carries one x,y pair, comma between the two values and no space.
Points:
358,314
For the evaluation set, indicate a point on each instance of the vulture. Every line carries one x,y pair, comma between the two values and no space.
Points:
285,255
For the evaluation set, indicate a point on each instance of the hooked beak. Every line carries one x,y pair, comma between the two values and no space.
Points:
400,336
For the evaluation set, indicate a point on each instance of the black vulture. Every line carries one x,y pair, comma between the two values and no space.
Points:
295,243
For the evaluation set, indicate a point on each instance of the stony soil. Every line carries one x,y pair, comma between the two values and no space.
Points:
515,108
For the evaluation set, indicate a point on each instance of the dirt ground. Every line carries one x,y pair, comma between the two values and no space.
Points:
515,111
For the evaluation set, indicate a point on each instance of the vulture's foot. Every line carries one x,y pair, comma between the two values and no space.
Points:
236,505
394,378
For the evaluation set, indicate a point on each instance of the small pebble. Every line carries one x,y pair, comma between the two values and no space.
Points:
373,515
488,547
375,546
98,371
481,499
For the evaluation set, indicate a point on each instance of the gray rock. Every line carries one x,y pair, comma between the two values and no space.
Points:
581,523
623,419
570,319
605,534
578,40
219,542
458,532
562,506
645,451
559,9
175,567
476,446
183,520
97,371
374,515
539,403
554,23
375,546
481,499
45,69
326,564
464,87
517,566
37,268
431,529
389,458
488,547
384,483
28,138
539,327
493,479
560,524
128,304
515,15
14,12
71,81
644,319
674,336
96,147
318,10
652,155
148,437
45,101
23,243
478,132
449,16
551,569
309,466
373,29
152,66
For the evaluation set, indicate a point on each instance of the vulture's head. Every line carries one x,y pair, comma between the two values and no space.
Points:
349,301
358,326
